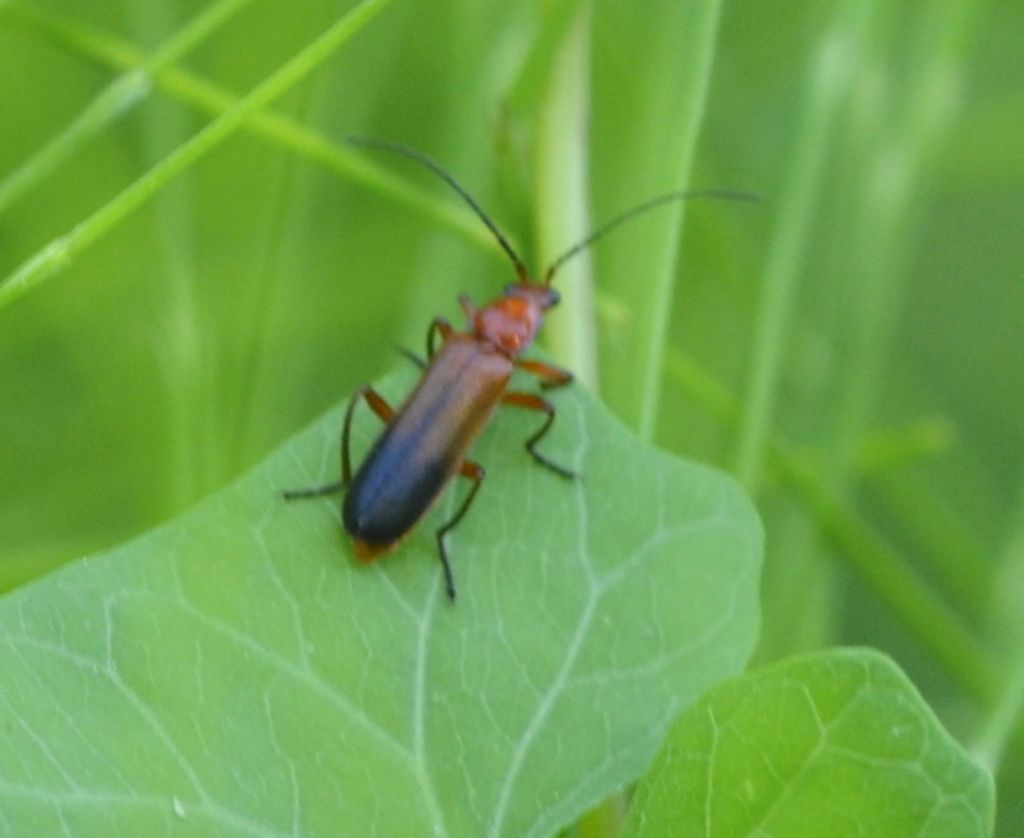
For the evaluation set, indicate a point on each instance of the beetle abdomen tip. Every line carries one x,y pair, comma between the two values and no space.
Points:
367,552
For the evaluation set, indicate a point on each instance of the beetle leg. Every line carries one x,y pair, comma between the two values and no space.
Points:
467,306
379,406
551,376
314,492
438,324
412,356
382,409
476,473
531,401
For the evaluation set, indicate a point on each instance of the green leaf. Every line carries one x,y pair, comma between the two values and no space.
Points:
840,740
235,672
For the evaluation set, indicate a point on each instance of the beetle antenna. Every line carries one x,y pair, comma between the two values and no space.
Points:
639,209
439,170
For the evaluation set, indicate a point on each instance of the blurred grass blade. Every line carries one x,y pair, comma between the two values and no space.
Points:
892,577
563,199
828,87
896,144
656,110
58,253
191,89
119,96
1005,726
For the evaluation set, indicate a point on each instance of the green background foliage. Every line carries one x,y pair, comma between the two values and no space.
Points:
849,349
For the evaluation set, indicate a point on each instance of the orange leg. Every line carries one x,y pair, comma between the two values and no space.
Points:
467,306
438,324
550,376
476,473
532,401
383,410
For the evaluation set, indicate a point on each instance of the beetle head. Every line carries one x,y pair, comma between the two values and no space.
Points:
511,323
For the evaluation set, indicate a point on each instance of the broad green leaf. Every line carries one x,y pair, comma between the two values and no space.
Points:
839,740
235,672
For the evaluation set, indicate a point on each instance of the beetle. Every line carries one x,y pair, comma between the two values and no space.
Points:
425,442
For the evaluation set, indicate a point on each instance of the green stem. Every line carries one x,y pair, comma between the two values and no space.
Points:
896,146
59,252
885,450
1006,722
879,564
892,578
563,199
697,82
654,108
830,74
956,558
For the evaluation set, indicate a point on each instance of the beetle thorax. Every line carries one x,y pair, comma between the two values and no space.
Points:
510,324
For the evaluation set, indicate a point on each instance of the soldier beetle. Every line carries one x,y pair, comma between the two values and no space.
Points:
425,442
